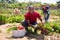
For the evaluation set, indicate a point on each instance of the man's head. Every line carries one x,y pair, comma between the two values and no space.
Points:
44,6
31,9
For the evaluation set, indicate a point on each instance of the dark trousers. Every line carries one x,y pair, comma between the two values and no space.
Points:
25,24
46,16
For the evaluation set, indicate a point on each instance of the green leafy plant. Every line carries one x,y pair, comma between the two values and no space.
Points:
15,18
2,19
56,27
48,27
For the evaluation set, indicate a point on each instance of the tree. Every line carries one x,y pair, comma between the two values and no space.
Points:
2,1
11,1
58,3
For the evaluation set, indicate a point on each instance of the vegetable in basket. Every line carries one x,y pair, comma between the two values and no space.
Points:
20,27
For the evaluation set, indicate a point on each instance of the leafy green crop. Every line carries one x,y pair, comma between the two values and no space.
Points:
15,18
11,19
2,19
48,27
56,26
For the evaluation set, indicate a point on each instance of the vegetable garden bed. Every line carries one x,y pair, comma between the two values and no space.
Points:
52,35
46,29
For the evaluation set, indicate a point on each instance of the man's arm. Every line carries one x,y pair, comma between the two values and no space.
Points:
39,16
27,19
29,23
41,22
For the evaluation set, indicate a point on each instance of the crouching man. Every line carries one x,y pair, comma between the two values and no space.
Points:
31,18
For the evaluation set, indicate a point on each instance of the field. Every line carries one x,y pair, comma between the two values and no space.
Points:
9,19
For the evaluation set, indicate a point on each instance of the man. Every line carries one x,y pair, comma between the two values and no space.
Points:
46,12
31,18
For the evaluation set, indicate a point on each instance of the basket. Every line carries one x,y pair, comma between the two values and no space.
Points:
18,33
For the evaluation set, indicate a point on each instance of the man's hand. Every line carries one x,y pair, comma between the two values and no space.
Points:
31,25
42,22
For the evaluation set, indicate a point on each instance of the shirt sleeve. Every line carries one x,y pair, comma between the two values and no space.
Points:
39,16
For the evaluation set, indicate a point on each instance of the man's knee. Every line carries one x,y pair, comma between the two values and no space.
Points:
24,23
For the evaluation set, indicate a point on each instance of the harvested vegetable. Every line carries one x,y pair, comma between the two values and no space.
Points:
38,32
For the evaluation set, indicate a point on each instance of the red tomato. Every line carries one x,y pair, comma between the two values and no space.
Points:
20,28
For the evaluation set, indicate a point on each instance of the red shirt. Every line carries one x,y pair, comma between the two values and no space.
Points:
32,17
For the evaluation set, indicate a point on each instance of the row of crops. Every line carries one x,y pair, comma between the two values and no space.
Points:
47,28
11,19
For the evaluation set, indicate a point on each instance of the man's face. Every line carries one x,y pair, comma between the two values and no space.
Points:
44,7
31,10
